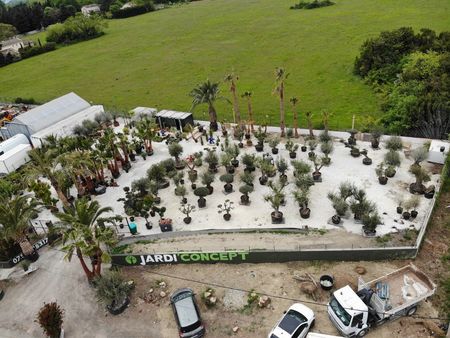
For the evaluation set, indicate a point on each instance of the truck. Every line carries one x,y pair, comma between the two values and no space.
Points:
379,301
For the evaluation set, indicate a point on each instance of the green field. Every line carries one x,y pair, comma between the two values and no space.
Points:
157,58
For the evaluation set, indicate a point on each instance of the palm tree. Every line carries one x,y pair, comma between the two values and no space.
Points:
207,92
310,126
43,163
146,131
232,79
78,165
15,214
85,234
248,96
293,100
280,78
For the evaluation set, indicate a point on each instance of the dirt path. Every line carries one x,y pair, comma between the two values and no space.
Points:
261,240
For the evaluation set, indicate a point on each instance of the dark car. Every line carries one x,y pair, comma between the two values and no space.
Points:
186,314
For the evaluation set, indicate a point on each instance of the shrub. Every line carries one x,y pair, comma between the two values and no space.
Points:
247,178
419,155
394,143
392,158
130,11
370,221
50,318
301,167
338,203
111,288
227,178
201,191
28,52
76,28
246,189
313,4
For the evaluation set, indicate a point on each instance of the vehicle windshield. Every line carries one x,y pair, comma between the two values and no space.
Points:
291,321
187,313
343,315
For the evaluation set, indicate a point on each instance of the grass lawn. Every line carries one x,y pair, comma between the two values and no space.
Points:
156,59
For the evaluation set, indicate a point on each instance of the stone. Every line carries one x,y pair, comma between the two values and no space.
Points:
162,285
162,294
212,300
150,291
360,270
264,301
235,329
207,294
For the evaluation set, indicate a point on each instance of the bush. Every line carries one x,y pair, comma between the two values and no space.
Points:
392,158
28,52
312,5
50,318
111,288
130,11
25,100
394,143
77,28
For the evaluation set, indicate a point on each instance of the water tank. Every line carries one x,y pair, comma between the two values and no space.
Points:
13,142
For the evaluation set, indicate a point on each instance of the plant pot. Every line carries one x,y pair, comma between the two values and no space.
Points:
249,169
429,194
274,151
370,233
399,210
163,184
336,219
227,217
241,145
152,213
132,157
150,152
305,212
263,180
417,188
304,149
277,218
367,161
283,177
292,154
187,220
119,308
316,176
224,133
406,215
210,189
375,144
116,123
247,136
157,200
355,153
184,200
245,199
228,188
121,225
230,169
414,214
326,282
390,174
382,180
179,165
235,163
115,174
193,186
148,226
201,202
165,227
259,147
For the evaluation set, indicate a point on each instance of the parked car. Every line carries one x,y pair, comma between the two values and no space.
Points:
295,323
187,314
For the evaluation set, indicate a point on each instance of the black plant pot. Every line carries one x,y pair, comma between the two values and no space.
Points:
115,174
304,149
259,147
228,187
165,227
305,212
390,174
184,200
263,180
399,210
227,217
375,144
336,219
121,225
132,157
230,170
274,151
201,202
429,195
245,199
247,136
210,189
383,180
367,161
414,214
148,226
277,218
163,184
406,215
235,163
193,186
316,176
355,153
241,145
292,154
187,220
119,308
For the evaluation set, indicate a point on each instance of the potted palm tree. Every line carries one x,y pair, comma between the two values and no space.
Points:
370,222
273,143
208,178
201,192
276,199
302,198
291,148
113,291
228,179
186,209
50,317
261,137
327,149
175,150
245,190
225,208
249,162
380,171
207,93
212,160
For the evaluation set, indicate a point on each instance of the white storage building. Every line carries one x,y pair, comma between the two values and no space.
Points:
438,151
14,158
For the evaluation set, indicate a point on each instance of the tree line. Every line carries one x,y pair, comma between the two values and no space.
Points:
411,74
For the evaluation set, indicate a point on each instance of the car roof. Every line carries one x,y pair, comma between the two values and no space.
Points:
183,301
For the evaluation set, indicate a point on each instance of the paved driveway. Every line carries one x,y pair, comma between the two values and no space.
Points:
64,282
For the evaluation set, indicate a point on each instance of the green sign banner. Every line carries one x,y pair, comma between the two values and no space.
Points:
181,258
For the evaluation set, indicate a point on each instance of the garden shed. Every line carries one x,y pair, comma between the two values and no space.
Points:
438,151
170,118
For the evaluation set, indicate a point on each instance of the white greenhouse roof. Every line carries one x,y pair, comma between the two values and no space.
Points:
140,111
52,112
13,142
65,127
173,114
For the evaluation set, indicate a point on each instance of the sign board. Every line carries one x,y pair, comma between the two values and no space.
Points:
36,246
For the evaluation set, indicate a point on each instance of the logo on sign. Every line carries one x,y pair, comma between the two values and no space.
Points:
131,260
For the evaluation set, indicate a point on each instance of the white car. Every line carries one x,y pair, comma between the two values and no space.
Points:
295,323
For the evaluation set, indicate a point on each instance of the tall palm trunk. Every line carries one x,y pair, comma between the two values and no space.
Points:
250,113
237,112
310,127
212,117
89,273
282,123
295,123
61,195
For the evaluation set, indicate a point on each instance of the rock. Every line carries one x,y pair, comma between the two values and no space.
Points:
308,288
162,294
235,329
150,291
264,301
360,270
212,300
162,285
207,294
